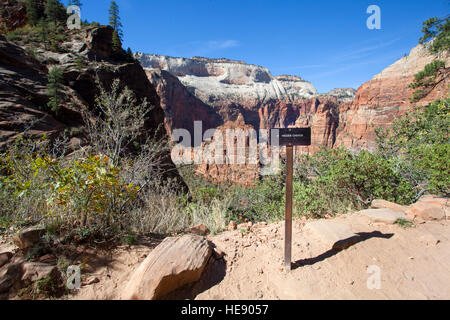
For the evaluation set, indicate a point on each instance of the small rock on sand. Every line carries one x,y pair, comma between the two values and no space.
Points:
387,216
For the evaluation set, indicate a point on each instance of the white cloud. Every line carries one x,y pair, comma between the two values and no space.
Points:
223,44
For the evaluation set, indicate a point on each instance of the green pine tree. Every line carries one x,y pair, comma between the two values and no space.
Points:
439,30
32,11
435,72
55,89
116,42
114,19
43,32
55,11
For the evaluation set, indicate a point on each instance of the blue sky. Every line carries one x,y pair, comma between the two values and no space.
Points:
326,42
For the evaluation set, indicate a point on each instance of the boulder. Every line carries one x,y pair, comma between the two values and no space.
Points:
100,43
429,208
387,216
35,271
9,275
172,264
4,258
20,274
383,204
28,238
200,230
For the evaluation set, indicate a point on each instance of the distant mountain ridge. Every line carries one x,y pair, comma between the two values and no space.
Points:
216,80
224,93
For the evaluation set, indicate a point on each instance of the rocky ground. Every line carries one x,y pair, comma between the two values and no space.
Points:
412,264
338,258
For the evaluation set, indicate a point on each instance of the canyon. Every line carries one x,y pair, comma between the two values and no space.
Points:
226,94
221,93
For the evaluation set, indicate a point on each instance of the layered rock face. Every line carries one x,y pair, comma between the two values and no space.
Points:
226,94
231,87
22,92
23,89
235,165
232,94
385,98
176,99
343,95
13,14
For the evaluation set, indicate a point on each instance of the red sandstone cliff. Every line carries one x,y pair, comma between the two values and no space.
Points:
384,98
248,97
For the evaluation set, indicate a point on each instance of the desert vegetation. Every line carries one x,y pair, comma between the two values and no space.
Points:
411,160
436,34
114,188
106,191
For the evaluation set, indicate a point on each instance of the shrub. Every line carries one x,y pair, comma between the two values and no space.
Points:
80,63
120,121
263,202
341,180
419,142
437,30
405,224
158,210
425,81
212,214
206,195
77,192
21,196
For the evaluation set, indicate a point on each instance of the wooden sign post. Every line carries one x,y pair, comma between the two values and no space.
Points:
290,137
288,208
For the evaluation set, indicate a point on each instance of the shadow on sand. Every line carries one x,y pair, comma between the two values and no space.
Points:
341,245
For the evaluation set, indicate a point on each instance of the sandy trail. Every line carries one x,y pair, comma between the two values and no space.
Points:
411,264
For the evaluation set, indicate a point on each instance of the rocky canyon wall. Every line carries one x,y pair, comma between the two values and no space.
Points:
231,94
24,96
386,97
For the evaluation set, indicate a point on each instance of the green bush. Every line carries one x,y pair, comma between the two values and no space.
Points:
87,192
263,202
206,195
40,35
419,142
344,180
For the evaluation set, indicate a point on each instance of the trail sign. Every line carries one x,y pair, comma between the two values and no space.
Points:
293,136
290,137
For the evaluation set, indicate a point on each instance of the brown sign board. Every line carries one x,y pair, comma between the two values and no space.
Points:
293,136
